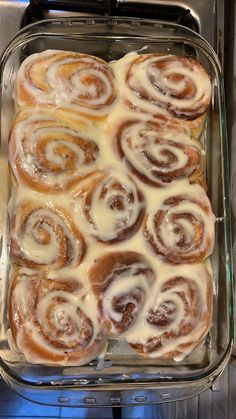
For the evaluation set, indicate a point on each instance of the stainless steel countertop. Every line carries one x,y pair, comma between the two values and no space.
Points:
10,16
203,11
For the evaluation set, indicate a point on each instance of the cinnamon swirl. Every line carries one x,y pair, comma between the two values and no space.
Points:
112,205
56,77
177,84
158,154
45,237
49,154
122,282
177,315
182,227
51,322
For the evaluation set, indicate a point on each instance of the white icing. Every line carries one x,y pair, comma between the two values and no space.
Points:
107,221
58,314
88,83
157,154
163,270
124,285
142,331
41,129
104,220
57,229
205,219
160,90
61,317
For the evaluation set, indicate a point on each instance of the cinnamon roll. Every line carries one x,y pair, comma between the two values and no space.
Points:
112,206
49,154
177,316
122,282
45,237
158,154
182,227
62,77
179,85
53,321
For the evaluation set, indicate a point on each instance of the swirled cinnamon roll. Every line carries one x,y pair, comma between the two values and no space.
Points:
52,322
179,85
182,227
45,237
49,154
177,316
112,206
62,77
122,282
158,154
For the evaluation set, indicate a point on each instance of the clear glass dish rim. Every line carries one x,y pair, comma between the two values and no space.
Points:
34,31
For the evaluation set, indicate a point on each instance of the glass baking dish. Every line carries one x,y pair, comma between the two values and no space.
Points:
123,377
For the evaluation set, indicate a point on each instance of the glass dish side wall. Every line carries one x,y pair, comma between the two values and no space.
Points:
110,39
